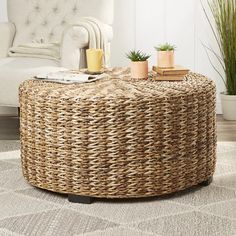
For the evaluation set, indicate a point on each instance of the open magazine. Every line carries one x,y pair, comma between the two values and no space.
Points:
69,77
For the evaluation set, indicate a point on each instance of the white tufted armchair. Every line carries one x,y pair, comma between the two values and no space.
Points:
33,20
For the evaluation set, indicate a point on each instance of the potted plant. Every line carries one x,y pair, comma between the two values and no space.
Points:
139,64
165,55
224,15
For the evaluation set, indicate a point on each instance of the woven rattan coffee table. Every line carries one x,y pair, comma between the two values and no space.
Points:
118,138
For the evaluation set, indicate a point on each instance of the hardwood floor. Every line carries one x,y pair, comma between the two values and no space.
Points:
226,130
9,129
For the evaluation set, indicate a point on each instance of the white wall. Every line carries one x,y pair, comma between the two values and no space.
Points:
142,24
124,31
3,12
167,20
182,23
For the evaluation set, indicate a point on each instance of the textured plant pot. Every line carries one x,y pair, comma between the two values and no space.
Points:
166,59
228,106
139,70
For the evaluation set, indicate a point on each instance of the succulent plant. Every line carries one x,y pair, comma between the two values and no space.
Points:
166,47
137,56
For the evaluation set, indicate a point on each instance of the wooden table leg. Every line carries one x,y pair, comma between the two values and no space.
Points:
79,199
207,182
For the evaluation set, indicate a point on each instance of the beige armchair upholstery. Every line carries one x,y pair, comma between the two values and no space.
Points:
74,41
51,21
48,19
8,32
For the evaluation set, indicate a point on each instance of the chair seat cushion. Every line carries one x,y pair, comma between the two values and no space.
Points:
13,71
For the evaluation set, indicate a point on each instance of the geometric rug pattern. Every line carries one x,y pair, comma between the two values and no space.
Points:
199,211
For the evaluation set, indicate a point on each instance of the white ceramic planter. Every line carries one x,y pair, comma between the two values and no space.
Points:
228,106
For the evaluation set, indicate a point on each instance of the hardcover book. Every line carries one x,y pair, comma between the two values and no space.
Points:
175,71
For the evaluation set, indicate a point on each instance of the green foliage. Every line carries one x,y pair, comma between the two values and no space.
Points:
166,47
224,14
137,56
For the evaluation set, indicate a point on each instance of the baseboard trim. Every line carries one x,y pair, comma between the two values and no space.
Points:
8,111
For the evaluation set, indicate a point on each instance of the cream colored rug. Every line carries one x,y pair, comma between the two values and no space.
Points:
201,211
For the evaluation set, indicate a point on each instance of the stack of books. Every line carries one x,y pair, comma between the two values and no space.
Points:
176,73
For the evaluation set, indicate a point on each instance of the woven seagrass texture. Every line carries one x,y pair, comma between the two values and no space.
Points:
118,138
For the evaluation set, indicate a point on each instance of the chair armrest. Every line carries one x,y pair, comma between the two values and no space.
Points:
7,32
75,39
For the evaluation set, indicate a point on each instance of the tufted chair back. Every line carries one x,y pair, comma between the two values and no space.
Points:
47,19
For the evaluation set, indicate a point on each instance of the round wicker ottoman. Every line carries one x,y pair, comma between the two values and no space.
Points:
118,138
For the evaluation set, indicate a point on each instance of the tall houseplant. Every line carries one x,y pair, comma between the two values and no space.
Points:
224,14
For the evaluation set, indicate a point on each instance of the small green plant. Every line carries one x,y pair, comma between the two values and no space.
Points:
166,47
137,56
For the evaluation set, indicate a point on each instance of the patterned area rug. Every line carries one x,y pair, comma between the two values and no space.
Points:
200,211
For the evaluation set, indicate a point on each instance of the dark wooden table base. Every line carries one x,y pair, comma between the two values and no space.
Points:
79,199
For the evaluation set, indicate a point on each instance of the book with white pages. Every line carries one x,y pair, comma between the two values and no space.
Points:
67,77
